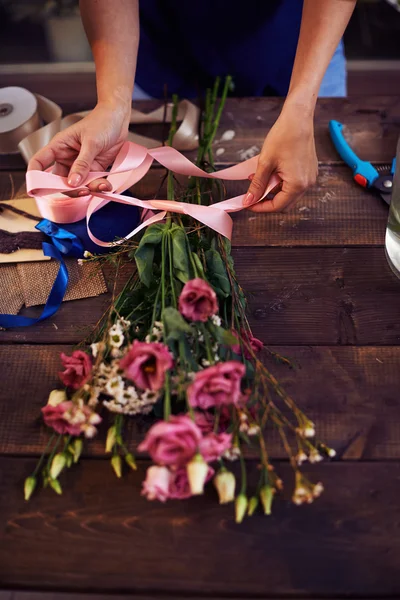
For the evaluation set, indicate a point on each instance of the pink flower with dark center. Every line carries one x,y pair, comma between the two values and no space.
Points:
214,445
146,364
198,301
218,385
179,488
205,420
78,367
249,340
173,442
157,483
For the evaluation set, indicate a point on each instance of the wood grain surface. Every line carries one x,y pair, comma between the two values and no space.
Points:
348,392
102,535
321,293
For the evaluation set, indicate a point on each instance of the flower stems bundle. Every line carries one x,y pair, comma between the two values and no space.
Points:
176,344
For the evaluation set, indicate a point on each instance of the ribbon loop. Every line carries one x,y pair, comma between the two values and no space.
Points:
131,164
63,244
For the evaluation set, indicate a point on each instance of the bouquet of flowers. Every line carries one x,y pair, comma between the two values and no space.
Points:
176,344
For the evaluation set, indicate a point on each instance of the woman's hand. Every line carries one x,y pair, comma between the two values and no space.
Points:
89,145
288,151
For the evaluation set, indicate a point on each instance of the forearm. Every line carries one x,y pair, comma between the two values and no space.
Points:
322,27
112,29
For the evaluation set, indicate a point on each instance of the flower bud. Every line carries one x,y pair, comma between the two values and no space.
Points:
253,504
130,461
111,439
57,465
116,464
56,397
240,507
266,496
77,446
224,483
29,487
197,471
55,485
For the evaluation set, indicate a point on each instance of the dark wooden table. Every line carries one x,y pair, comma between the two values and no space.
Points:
321,291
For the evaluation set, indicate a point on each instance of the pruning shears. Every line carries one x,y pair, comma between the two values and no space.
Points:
364,173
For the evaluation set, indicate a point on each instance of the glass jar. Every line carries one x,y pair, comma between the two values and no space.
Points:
392,241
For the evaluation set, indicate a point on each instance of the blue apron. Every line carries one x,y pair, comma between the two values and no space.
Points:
185,44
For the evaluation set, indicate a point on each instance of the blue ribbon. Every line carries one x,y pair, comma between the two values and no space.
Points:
63,243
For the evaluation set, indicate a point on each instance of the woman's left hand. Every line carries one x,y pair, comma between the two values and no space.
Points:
289,152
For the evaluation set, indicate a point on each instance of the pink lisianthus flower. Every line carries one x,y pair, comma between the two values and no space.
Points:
218,385
78,367
205,420
173,442
198,301
146,364
71,418
157,483
179,488
214,445
249,340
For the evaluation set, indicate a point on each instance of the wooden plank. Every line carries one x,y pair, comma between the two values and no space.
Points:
373,124
102,536
335,212
302,296
345,391
77,596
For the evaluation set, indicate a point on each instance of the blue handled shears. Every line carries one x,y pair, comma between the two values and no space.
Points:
363,172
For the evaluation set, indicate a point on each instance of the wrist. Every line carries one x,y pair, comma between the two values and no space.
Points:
301,100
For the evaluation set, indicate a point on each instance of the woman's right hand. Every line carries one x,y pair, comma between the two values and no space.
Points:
89,145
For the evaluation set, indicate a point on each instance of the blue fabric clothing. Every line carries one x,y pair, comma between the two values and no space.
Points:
334,83
114,220
185,44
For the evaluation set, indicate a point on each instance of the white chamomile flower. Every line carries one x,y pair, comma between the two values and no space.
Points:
216,320
114,385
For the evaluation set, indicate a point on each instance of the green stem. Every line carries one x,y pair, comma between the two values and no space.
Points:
172,131
40,461
52,453
163,258
217,119
167,398
153,318
171,272
244,474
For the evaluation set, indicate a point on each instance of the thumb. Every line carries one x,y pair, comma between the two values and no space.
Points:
81,166
258,183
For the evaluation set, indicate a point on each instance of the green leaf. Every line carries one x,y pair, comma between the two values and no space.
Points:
175,324
144,255
199,265
224,336
217,274
180,257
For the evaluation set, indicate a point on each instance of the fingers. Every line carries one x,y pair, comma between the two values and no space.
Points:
81,166
60,169
284,199
259,182
100,185
43,159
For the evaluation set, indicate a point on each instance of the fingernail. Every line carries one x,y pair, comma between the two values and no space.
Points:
248,199
103,187
83,193
74,179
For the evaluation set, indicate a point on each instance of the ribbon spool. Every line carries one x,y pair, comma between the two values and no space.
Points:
29,121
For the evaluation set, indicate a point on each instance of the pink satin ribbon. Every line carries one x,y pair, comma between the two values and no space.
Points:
131,164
